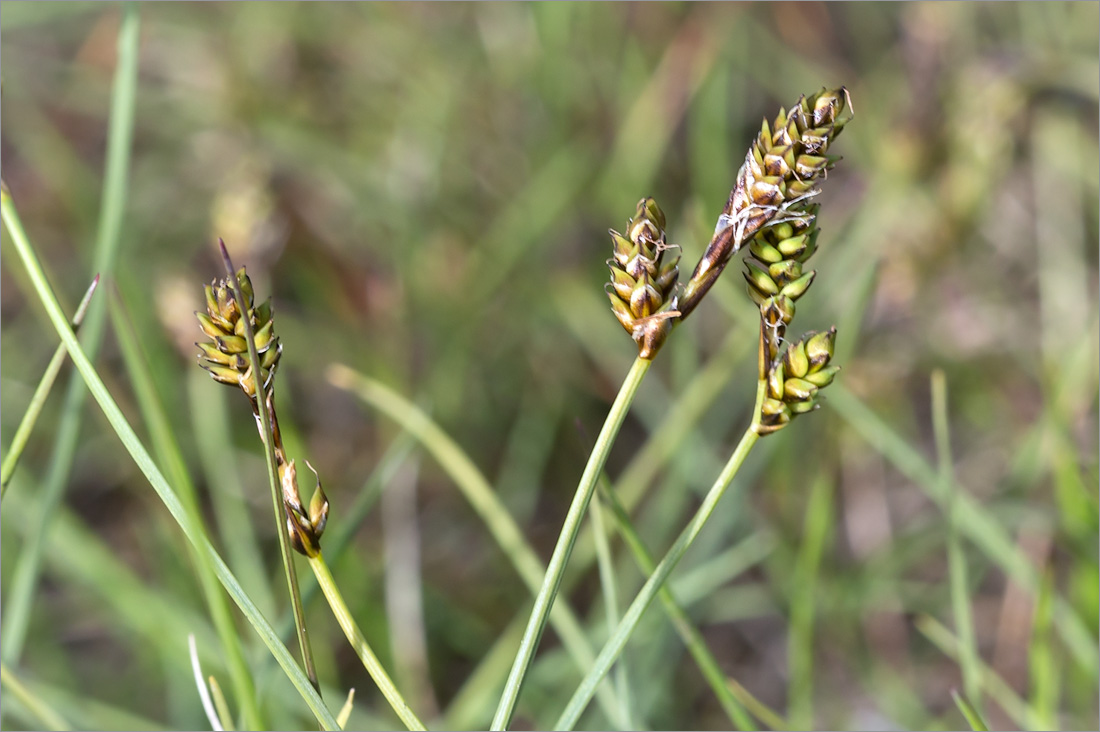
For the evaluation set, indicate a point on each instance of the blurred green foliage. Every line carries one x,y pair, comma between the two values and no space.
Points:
425,191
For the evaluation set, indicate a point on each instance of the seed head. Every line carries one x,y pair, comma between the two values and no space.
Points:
225,355
643,278
780,174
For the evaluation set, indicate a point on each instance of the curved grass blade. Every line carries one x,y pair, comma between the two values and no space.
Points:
38,400
484,500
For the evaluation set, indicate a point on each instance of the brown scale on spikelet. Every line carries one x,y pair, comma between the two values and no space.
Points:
643,277
780,174
226,358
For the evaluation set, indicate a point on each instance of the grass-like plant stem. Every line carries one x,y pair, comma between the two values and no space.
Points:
45,714
956,560
617,641
193,530
38,400
573,519
359,643
267,431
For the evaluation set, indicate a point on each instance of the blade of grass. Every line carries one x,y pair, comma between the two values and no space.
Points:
403,589
609,588
998,689
615,644
800,647
267,432
42,711
38,399
216,722
974,521
345,711
476,489
1044,671
956,560
359,643
195,532
119,134
92,713
972,715
544,600
168,453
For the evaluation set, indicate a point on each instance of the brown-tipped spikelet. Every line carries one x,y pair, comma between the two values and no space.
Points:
643,277
225,357
794,381
781,172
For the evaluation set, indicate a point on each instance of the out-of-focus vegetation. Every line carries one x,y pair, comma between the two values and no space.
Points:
425,190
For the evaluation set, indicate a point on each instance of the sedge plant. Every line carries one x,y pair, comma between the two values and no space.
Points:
244,352
770,210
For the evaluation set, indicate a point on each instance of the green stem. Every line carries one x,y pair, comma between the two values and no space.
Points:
265,418
692,638
167,449
359,643
617,642
42,711
556,568
956,560
38,400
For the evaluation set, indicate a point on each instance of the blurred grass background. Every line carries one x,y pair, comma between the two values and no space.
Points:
425,190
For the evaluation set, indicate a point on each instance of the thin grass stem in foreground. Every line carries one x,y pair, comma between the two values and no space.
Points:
556,568
38,399
617,642
195,532
167,449
359,643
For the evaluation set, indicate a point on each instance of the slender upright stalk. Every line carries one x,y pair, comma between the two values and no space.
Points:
267,427
617,642
359,643
556,568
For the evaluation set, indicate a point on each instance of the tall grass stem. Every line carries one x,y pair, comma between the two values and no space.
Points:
544,600
617,642
359,643
267,432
